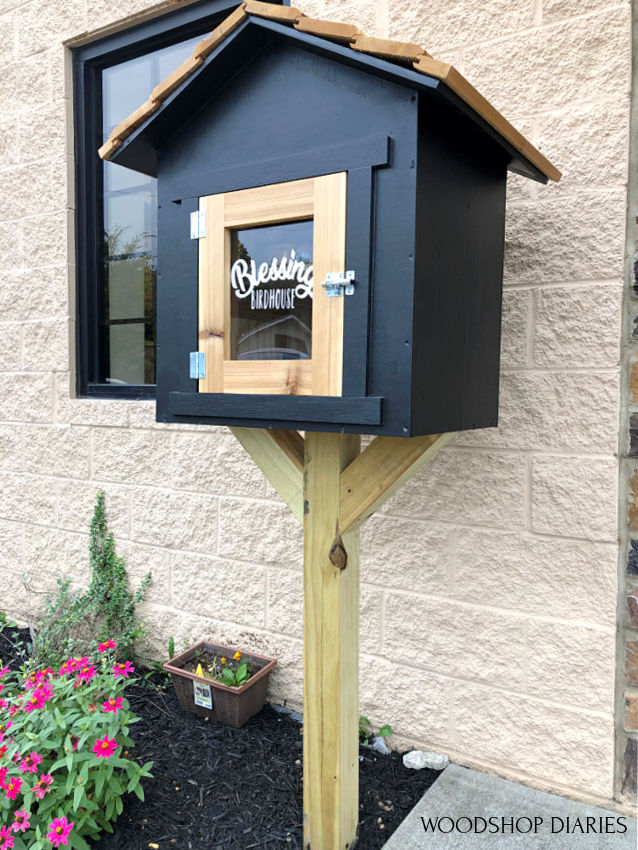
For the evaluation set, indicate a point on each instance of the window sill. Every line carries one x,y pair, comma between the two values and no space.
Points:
128,392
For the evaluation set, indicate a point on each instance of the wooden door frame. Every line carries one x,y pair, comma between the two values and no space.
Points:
322,199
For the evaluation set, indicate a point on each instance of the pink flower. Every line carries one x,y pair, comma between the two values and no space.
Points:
13,787
21,821
37,678
32,704
6,838
40,696
74,742
3,750
14,710
44,692
74,664
43,785
59,831
105,747
123,669
3,776
4,703
30,763
112,705
4,728
108,644
3,671
86,673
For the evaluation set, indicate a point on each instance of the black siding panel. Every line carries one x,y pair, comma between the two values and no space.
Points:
176,301
459,271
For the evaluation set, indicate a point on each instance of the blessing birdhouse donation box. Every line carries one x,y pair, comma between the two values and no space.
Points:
330,236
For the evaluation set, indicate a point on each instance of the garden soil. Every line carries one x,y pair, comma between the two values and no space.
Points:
215,787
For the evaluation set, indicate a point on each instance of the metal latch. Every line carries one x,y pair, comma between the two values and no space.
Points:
339,283
198,364
198,224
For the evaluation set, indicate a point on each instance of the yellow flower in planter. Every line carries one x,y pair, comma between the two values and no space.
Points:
237,656
223,660
199,671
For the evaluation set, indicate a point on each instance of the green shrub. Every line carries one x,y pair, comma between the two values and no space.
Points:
64,738
72,622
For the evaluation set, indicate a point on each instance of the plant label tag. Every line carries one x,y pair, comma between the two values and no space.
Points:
202,695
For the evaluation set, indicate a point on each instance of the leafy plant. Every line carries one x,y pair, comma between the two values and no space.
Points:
64,740
71,622
236,677
5,623
158,666
230,671
366,732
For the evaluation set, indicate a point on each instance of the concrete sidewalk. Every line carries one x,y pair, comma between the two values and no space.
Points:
465,800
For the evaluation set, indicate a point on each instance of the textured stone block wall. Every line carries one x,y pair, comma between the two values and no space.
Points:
489,583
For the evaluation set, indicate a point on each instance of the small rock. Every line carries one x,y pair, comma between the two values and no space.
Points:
380,746
281,709
417,759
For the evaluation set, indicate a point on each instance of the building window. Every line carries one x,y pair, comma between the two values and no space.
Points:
126,312
116,212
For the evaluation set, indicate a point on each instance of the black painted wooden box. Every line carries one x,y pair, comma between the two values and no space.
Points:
426,180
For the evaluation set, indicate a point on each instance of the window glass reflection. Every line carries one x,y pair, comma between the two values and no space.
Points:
129,260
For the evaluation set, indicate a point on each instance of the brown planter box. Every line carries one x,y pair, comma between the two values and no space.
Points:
231,706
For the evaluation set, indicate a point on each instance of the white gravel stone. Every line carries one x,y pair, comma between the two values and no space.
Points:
380,746
417,759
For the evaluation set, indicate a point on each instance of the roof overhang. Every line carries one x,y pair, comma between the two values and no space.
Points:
135,142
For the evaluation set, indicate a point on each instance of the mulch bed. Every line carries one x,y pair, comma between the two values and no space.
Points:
215,787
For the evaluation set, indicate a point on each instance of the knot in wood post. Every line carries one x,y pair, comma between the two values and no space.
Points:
338,555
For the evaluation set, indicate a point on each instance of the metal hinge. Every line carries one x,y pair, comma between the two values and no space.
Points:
339,283
198,364
198,224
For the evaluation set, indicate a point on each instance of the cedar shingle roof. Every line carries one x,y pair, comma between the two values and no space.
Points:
398,52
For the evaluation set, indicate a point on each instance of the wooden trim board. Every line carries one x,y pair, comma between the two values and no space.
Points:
380,470
280,456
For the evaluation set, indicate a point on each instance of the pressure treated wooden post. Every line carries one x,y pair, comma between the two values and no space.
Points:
333,489
331,650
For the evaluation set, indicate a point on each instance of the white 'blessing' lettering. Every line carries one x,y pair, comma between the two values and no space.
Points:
244,279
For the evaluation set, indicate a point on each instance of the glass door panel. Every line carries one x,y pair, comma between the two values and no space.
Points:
271,292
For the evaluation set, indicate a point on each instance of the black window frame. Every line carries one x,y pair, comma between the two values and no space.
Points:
89,60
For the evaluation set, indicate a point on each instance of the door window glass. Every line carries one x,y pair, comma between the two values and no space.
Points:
271,280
